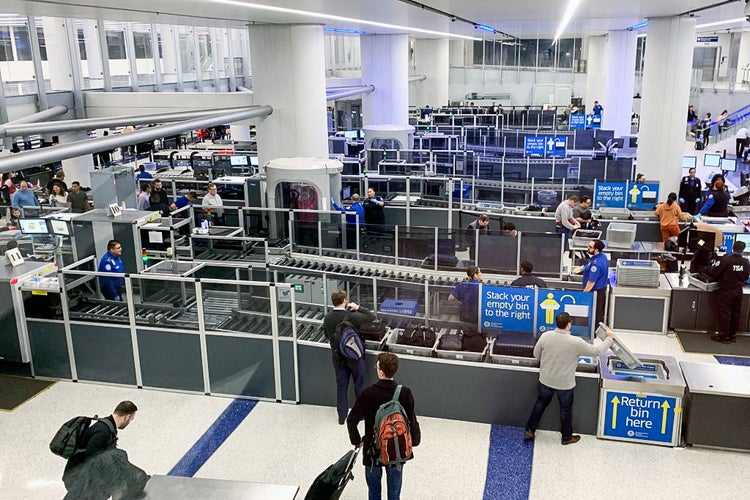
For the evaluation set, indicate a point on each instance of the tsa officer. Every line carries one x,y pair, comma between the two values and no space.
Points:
731,273
596,275
112,286
690,192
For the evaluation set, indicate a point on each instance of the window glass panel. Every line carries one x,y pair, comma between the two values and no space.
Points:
546,53
566,53
510,53
527,53
6,44
23,45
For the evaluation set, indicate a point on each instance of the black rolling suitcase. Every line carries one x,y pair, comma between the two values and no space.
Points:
699,143
330,484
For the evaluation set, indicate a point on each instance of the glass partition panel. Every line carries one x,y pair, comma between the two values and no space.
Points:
544,251
144,58
166,303
187,53
89,54
167,52
87,300
378,239
237,307
498,253
119,68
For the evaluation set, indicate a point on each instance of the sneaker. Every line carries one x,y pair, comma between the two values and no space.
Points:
528,436
573,439
342,421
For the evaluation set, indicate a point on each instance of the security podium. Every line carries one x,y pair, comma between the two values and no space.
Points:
640,398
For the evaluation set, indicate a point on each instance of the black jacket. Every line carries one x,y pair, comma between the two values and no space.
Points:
529,280
366,407
732,272
97,438
356,318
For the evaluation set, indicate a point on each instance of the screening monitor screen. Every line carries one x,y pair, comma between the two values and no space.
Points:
346,193
351,134
709,160
238,161
728,164
33,226
59,227
689,161
701,240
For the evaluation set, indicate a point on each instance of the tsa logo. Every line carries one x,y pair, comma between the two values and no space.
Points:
631,433
487,324
542,329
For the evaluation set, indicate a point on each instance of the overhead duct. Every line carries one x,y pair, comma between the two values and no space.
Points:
23,129
26,159
38,117
349,92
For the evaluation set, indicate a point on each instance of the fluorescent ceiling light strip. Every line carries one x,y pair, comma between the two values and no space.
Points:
567,16
717,23
284,10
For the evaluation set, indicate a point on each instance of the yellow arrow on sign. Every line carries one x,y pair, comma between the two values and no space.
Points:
615,401
664,408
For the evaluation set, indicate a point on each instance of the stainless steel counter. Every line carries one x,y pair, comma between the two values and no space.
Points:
717,379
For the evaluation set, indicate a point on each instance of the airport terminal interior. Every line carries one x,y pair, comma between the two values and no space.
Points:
185,185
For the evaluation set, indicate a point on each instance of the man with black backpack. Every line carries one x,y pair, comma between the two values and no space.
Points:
347,347
97,469
391,428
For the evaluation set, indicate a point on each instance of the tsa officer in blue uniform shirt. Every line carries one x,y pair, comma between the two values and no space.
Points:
596,275
112,286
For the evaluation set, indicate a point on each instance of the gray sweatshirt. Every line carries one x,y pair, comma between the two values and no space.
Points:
558,352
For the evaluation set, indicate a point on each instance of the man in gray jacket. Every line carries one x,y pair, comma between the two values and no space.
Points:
558,352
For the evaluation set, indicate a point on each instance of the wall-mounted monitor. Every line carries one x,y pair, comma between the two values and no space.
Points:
728,164
351,134
346,193
238,160
33,226
710,160
254,161
689,161
59,227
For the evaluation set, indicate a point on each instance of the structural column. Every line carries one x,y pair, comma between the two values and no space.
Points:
78,168
289,75
431,59
385,64
666,91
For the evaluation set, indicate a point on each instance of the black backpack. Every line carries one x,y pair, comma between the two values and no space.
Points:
65,442
474,341
451,342
372,330
420,336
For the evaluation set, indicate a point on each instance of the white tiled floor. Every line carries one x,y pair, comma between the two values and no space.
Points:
288,444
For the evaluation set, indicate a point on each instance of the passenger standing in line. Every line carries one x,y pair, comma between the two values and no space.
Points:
481,225
157,205
113,287
527,278
721,121
58,197
582,212
717,202
158,189
366,408
565,222
596,276
100,470
690,192
374,211
640,179
78,202
58,179
144,197
345,368
467,294
558,351
669,214
731,273
24,197
692,120
705,129
142,175
741,141
213,202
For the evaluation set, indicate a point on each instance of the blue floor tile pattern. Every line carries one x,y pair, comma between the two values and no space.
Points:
213,438
508,465
733,360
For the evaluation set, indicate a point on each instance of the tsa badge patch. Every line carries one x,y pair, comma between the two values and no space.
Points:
593,269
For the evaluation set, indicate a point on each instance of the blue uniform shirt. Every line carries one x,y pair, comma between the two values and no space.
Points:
110,285
597,270
598,110
354,207
467,292
182,202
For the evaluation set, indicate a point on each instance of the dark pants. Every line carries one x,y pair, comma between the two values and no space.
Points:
544,396
344,370
706,135
566,234
739,146
728,308
601,301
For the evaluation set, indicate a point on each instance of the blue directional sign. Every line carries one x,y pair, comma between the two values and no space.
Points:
642,196
640,417
508,309
556,146
609,194
577,121
534,145
593,121
580,306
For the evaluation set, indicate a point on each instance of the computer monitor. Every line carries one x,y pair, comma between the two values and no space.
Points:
33,226
351,134
709,160
346,193
59,227
701,240
728,164
744,238
254,161
690,161
238,160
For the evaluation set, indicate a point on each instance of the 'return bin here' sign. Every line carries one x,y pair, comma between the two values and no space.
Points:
640,417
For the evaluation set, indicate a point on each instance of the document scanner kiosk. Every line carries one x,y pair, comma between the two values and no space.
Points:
640,399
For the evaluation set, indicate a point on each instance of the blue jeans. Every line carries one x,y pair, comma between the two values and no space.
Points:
565,398
565,232
344,370
394,475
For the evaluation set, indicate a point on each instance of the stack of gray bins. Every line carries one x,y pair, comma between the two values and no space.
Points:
614,213
640,273
621,235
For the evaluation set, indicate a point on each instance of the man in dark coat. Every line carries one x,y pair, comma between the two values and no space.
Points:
731,274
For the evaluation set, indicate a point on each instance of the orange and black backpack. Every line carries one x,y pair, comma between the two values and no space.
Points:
392,439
